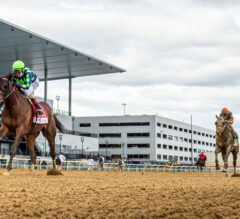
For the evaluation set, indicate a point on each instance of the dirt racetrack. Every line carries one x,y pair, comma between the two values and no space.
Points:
119,195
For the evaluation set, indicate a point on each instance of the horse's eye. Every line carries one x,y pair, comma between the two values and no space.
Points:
5,86
215,123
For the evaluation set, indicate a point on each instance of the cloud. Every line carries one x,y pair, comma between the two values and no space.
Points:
182,57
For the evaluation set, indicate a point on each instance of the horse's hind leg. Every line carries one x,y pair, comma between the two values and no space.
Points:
30,144
51,142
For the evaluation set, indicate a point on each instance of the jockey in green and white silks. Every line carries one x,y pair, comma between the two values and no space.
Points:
28,82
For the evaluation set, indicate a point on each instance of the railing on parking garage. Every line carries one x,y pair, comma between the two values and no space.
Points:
82,165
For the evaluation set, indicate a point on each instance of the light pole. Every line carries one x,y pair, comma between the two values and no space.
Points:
60,138
58,98
106,148
191,141
123,144
82,140
124,106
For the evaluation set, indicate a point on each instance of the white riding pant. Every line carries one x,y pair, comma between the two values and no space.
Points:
32,88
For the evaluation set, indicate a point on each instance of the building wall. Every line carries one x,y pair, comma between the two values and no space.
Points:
162,139
123,131
174,139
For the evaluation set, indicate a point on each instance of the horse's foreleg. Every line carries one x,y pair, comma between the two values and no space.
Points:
13,150
216,158
234,153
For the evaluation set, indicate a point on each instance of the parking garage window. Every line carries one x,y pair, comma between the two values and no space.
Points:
125,124
180,148
175,128
159,145
185,130
85,125
164,136
170,126
138,156
164,146
138,135
138,145
170,147
164,125
159,135
159,124
110,135
159,156
165,157
175,148
109,145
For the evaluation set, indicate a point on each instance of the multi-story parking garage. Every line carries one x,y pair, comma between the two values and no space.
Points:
147,137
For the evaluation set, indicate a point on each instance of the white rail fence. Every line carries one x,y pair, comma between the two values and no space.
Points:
82,165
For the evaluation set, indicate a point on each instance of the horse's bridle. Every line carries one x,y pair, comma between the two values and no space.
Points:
220,129
7,94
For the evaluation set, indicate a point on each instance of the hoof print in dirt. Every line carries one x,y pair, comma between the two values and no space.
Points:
54,172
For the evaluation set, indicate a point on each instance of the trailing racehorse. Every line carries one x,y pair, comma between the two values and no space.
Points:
201,163
17,118
224,144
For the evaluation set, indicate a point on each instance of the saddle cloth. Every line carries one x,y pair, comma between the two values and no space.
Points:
39,119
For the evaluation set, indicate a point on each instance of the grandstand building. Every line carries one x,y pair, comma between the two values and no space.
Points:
147,137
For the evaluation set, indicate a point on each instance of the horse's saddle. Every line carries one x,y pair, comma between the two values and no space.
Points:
37,118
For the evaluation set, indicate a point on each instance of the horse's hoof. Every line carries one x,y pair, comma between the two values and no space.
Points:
217,168
224,170
6,173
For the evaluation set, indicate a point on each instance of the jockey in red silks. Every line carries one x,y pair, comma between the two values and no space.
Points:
28,82
202,156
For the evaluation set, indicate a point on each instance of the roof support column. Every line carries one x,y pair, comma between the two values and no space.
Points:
70,97
45,84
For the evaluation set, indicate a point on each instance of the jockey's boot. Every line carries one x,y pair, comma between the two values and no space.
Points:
37,105
235,142
235,136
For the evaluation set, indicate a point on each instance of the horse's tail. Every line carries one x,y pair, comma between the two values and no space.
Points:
60,126
63,130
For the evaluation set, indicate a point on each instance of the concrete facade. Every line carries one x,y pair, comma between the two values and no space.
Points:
147,137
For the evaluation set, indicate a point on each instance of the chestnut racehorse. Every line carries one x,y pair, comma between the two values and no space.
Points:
17,118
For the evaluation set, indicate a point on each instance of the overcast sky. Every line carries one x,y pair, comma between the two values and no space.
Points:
182,57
